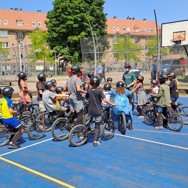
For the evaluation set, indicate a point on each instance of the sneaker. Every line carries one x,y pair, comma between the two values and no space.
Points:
159,127
13,146
96,143
131,126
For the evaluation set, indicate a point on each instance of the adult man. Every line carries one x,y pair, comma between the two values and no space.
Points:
129,78
73,86
101,72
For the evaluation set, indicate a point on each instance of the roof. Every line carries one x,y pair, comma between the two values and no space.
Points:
130,25
28,20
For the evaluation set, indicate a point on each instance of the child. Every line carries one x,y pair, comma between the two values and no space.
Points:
120,96
107,88
8,117
58,101
49,98
25,93
90,74
109,80
95,96
54,82
163,99
141,95
154,87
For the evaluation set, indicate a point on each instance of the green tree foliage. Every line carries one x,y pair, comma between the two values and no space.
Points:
152,47
40,46
71,20
125,49
4,52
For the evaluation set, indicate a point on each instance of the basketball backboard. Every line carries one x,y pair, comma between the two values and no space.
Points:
174,33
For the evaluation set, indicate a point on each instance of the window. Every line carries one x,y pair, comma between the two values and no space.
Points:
19,22
0,22
39,24
20,34
124,28
4,44
137,29
33,24
128,29
5,22
3,33
114,28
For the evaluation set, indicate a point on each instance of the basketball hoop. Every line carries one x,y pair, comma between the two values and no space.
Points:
176,42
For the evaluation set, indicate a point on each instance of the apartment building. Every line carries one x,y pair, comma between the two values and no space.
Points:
16,24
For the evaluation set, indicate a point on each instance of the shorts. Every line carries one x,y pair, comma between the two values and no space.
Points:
12,122
75,104
41,106
96,117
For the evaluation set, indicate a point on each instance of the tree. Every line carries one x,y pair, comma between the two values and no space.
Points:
71,20
125,49
40,46
152,47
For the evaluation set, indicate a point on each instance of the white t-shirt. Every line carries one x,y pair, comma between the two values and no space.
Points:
107,96
155,89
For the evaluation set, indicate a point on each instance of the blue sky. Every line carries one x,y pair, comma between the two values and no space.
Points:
166,10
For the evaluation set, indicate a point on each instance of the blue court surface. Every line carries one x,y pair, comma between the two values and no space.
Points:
143,158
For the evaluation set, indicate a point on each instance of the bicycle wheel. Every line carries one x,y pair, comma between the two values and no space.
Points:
175,122
184,114
149,117
46,119
122,124
59,129
108,129
78,135
36,130
4,135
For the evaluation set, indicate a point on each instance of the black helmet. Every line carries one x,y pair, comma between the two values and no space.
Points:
154,82
48,84
120,84
59,89
140,77
107,87
163,78
127,66
7,91
53,81
109,79
90,74
95,81
171,74
41,77
75,69
22,75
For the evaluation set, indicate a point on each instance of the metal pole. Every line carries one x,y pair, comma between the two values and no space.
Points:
94,47
55,65
20,58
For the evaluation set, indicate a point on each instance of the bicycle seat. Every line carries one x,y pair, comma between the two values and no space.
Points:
179,104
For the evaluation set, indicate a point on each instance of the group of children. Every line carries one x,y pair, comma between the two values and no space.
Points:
50,96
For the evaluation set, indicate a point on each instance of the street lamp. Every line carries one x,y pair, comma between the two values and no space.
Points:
55,65
20,56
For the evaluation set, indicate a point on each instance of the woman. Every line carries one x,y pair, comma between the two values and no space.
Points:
141,95
25,93
120,97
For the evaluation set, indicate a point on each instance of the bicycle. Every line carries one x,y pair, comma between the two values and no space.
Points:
35,130
172,121
79,134
183,111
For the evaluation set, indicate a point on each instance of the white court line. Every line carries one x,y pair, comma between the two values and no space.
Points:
13,151
135,138
154,142
161,132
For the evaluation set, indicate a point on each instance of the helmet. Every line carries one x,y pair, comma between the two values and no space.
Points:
141,78
163,78
90,74
75,69
109,79
95,81
22,75
41,77
120,84
48,84
53,81
59,89
154,82
7,91
171,74
107,87
127,66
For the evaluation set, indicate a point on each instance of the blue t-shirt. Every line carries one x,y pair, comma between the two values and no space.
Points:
122,102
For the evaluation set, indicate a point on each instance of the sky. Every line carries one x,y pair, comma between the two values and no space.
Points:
166,10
